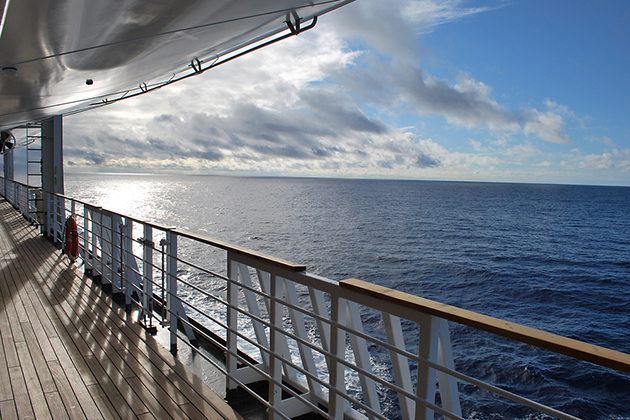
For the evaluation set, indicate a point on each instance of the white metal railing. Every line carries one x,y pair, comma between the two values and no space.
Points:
26,199
302,334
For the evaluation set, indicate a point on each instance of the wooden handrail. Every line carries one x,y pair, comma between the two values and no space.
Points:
542,339
239,250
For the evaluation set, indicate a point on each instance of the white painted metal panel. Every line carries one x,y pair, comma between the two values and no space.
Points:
51,50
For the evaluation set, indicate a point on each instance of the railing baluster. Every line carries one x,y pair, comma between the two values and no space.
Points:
171,286
362,358
276,347
128,263
428,346
264,279
337,404
147,276
107,249
299,328
254,309
448,384
117,253
232,321
85,249
98,243
400,364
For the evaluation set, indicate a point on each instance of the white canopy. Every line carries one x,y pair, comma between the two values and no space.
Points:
65,56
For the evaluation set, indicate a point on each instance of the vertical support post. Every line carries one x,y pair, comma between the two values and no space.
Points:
299,329
147,275
171,286
362,358
117,253
87,260
400,364
232,321
336,403
264,280
448,384
128,261
49,213
61,220
52,164
276,347
254,309
427,377
107,250
97,243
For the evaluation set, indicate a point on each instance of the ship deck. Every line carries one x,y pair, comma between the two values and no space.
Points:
68,350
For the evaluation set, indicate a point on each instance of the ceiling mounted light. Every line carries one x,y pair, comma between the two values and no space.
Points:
9,71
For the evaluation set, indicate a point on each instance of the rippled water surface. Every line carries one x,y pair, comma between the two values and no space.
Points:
551,257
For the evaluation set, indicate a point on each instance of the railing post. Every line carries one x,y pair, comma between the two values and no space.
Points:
362,358
448,385
128,262
400,364
299,328
49,213
87,265
147,275
276,347
254,309
171,286
61,218
232,321
336,403
107,249
117,229
428,347
97,242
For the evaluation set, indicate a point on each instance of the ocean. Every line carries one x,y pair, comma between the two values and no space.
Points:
552,257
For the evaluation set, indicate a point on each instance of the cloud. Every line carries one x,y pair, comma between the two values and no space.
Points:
388,27
320,130
428,14
605,140
467,103
548,126
477,146
392,27
623,153
523,150
318,102
603,161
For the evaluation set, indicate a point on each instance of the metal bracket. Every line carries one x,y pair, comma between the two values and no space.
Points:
196,65
295,29
146,242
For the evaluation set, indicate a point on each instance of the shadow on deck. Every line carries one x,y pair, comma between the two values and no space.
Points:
68,351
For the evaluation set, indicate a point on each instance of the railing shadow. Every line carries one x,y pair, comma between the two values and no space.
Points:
18,259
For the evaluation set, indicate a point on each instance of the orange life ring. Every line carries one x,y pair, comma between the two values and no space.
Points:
71,239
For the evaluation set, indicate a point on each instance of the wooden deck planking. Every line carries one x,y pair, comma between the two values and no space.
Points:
68,351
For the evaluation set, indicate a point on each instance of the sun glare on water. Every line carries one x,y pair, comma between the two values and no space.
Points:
127,199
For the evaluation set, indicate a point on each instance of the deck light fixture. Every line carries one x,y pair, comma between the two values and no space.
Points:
9,71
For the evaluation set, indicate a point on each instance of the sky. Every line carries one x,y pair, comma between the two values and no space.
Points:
503,91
